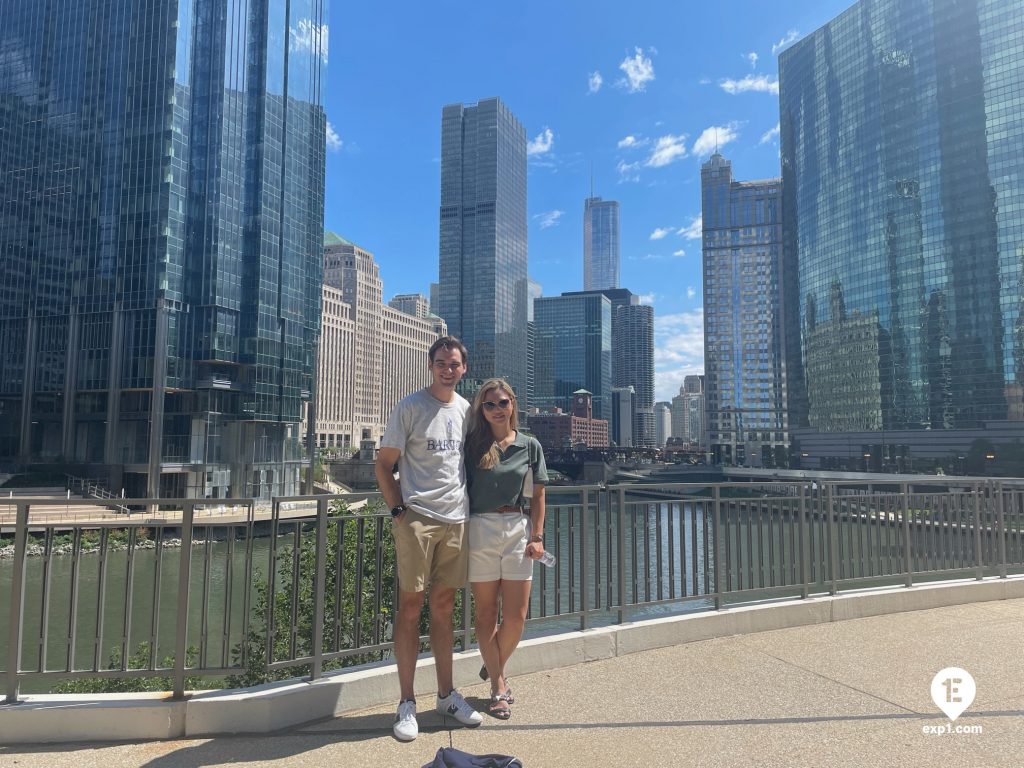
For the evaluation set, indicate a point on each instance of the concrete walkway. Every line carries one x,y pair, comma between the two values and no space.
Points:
851,693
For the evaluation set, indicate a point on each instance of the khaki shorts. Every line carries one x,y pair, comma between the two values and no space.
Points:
497,547
429,552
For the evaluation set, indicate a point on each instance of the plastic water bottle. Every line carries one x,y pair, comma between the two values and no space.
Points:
547,559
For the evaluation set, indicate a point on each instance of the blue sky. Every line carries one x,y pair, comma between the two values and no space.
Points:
633,90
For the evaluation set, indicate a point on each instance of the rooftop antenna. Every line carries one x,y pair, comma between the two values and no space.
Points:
716,139
591,178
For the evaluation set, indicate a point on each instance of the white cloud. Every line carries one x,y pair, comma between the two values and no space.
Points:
627,171
647,298
690,291
639,72
333,139
548,218
679,254
716,136
310,37
694,230
542,143
757,83
770,135
594,81
678,350
632,141
705,81
790,37
660,232
752,58
667,149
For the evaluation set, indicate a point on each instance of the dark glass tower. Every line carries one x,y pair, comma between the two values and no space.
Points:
574,350
161,240
632,357
743,353
483,281
600,244
902,152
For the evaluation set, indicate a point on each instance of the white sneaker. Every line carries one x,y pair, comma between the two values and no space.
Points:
453,705
406,728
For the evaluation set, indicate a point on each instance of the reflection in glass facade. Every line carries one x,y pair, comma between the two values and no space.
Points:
161,182
632,356
743,355
902,157
482,266
574,351
600,244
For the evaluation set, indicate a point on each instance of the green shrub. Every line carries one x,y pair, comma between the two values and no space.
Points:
138,660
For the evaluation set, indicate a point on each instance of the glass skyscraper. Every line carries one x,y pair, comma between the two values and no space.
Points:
600,244
573,351
160,244
483,248
902,154
743,333
632,357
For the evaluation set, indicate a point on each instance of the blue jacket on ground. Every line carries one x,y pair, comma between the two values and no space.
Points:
449,757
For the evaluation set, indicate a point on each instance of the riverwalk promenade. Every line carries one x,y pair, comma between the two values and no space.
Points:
58,510
855,692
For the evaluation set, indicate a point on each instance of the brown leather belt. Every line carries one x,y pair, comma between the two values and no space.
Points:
507,508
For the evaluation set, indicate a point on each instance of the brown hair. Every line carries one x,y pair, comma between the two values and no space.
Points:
449,343
481,449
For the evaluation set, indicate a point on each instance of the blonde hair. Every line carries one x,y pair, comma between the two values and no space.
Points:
481,448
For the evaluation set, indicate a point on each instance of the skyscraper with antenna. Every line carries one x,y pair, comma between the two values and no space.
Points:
600,242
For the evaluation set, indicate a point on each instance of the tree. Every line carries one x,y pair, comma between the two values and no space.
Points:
362,554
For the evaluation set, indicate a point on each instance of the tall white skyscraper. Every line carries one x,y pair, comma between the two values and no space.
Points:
743,356
353,271
371,355
600,244
662,423
482,268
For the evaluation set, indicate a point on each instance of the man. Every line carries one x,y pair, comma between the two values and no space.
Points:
429,506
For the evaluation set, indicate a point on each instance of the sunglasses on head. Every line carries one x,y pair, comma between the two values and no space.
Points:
504,403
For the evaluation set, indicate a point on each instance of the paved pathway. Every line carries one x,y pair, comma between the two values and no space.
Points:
852,693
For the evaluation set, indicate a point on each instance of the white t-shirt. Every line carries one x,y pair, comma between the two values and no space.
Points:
431,436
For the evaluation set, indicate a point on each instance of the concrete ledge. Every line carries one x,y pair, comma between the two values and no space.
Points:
271,707
92,717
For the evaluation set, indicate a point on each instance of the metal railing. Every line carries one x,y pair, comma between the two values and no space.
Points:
308,584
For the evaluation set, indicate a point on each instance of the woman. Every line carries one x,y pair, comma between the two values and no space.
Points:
505,536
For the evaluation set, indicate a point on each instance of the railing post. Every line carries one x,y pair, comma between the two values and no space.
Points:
622,554
833,523
804,541
1001,520
184,573
716,529
979,566
909,577
584,499
319,585
17,603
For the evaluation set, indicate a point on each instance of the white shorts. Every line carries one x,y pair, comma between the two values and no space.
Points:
497,547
